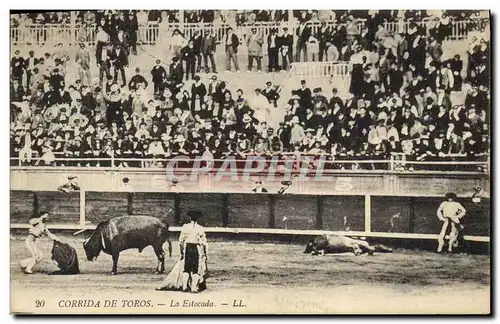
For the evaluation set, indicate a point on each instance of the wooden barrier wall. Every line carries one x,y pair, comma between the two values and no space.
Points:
302,212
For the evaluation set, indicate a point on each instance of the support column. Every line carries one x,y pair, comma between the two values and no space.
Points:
368,214
319,212
36,205
225,210
82,209
272,208
177,209
130,201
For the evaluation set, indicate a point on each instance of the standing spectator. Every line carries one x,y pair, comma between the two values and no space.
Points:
132,28
435,50
29,65
159,77
104,63
189,55
286,48
17,67
208,46
323,38
303,34
456,66
231,42
16,91
82,58
176,73
198,92
254,45
197,42
119,60
272,51
177,43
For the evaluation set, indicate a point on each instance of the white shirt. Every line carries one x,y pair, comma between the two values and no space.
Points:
193,233
450,209
273,41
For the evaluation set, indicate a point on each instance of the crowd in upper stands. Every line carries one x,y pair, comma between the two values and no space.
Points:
401,95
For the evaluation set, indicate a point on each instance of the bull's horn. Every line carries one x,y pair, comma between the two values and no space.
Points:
81,231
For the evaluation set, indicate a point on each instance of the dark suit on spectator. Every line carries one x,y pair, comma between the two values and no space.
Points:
273,46
456,66
176,73
286,44
231,43
17,66
323,37
208,47
159,77
303,33
189,55
119,58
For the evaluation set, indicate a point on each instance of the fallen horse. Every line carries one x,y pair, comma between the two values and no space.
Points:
333,243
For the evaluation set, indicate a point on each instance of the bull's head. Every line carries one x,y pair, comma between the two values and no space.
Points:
309,247
93,245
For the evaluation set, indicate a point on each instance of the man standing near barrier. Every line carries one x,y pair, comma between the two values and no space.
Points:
450,211
193,246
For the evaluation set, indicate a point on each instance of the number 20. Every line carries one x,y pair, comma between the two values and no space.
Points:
39,303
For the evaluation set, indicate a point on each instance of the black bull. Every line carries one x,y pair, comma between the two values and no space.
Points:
341,244
129,232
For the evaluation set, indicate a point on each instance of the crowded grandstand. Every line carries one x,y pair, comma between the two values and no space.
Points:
115,88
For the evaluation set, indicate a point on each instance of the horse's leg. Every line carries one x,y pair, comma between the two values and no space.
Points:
115,263
160,254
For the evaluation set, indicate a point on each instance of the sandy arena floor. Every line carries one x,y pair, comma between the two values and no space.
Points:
265,278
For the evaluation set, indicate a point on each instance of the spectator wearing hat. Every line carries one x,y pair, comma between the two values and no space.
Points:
284,187
231,43
119,59
132,28
323,36
189,54
159,77
104,61
305,94
177,43
258,187
273,50
208,47
17,66
271,94
456,66
303,34
82,58
29,65
176,75
254,45
17,91
138,81
286,48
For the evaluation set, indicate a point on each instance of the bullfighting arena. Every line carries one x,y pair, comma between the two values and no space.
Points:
261,278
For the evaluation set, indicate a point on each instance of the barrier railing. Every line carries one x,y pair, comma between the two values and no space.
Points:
152,33
321,69
287,163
